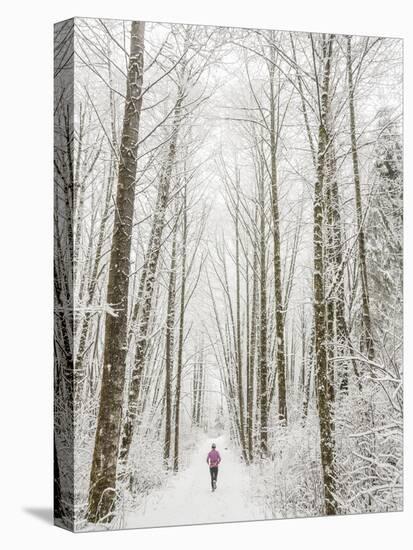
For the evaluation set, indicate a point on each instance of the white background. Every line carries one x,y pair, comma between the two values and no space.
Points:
26,36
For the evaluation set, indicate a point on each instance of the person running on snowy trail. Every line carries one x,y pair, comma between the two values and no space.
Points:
213,460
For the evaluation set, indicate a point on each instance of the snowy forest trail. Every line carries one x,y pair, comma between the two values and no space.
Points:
228,239
188,499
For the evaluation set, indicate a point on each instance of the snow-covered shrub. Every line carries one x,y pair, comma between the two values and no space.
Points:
287,483
369,453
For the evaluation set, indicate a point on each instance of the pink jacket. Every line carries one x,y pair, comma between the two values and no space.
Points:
213,458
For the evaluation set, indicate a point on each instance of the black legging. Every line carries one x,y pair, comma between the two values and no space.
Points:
214,475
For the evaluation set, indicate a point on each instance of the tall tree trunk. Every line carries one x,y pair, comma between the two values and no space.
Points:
201,388
169,363
181,332
367,326
310,361
321,360
195,385
239,374
263,374
279,310
108,429
252,349
330,268
143,306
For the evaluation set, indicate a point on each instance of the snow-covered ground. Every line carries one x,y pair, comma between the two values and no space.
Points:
188,499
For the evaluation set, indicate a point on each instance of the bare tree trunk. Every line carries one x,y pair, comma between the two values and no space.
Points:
169,363
263,326
195,393
368,337
201,388
143,306
310,360
104,464
181,332
239,373
279,310
330,270
251,360
321,359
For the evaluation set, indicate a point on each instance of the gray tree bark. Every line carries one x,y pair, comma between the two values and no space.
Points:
143,306
169,362
105,456
181,332
367,326
320,351
263,372
279,308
